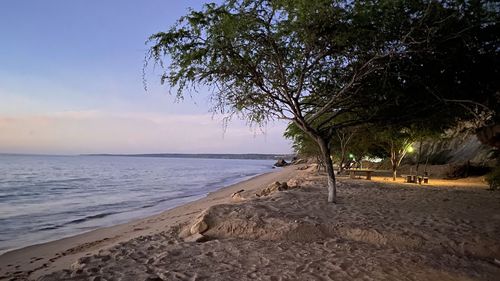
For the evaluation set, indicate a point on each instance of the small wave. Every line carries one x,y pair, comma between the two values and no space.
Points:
157,202
48,228
7,196
230,180
87,218
148,206
66,180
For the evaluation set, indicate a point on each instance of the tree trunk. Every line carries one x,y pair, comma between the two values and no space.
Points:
341,165
419,155
425,167
332,189
394,162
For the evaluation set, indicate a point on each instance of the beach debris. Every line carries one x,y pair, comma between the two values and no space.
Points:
299,161
276,186
236,196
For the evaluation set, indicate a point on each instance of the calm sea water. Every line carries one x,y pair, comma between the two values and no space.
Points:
44,198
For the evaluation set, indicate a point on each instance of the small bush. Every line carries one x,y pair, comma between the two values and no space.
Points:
493,178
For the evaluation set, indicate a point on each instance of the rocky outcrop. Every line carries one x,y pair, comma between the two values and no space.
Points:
457,148
489,135
281,163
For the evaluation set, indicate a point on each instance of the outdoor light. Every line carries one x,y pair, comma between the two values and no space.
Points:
351,156
410,149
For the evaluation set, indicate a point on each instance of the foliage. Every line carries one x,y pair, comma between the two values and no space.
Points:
493,178
302,144
360,141
316,62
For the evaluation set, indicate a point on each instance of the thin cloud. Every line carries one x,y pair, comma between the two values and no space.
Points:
95,131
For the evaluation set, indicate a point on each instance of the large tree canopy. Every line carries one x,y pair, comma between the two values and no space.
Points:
311,62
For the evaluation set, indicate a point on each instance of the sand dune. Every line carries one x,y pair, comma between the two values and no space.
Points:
375,232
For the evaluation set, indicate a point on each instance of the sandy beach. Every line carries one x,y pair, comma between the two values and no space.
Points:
34,261
378,230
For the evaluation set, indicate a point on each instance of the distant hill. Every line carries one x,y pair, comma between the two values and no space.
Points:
205,155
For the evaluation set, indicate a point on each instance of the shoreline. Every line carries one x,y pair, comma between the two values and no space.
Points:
376,231
178,201
36,260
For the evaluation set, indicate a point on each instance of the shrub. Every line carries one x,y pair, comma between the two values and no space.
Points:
493,178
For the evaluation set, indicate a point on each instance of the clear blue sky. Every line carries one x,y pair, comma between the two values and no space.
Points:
71,82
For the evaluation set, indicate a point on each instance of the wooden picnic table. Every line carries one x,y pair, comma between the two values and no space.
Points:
368,173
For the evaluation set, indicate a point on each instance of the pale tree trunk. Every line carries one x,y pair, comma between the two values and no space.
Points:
397,155
344,142
394,172
419,156
394,162
341,164
325,153
332,188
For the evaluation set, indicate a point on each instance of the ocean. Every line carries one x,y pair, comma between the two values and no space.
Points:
45,198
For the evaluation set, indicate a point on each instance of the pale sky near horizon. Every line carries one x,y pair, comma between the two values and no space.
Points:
71,82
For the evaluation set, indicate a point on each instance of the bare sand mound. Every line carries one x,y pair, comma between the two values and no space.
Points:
375,232
300,216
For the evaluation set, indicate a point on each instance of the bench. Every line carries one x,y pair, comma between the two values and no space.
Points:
368,173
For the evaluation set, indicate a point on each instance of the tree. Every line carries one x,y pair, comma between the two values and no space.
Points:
398,143
303,145
366,144
312,61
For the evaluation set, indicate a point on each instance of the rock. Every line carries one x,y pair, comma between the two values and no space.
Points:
185,232
199,226
276,186
237,195
489,135
281,163
294,183
283,186
77,266
195,238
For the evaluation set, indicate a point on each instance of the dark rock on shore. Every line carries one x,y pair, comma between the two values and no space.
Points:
281,163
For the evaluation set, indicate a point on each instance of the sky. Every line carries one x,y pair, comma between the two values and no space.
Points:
71,83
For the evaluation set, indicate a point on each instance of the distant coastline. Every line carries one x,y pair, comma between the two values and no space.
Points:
204,155
243,156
